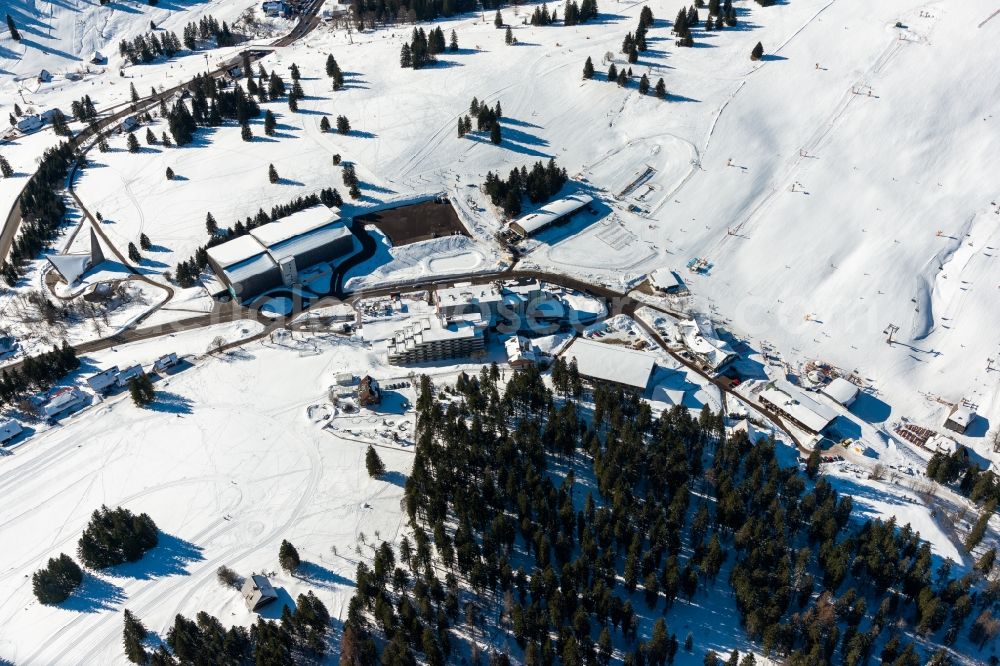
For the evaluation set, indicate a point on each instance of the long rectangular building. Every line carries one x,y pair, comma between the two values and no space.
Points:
797,406
615,364
433,339
551,213
272,254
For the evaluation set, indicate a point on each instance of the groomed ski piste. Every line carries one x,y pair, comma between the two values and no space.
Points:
839,188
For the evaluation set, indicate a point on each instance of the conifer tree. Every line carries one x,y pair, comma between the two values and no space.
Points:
509,37
324,124
14,34
272,174
211,225
643,85
453,44
343,125
495,134
133,253
588,69
288,557
269,123
56,581
405,57
150,137
165,139
661,89
144,242
758,52
170,173
245,132
497,20
133,635
5,170
373,463
132,143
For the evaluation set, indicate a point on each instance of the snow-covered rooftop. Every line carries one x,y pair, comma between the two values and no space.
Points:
552,211
296,224
840,390
236,250
612,363
799,405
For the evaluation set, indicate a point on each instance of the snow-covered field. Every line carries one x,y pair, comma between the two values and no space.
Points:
843,184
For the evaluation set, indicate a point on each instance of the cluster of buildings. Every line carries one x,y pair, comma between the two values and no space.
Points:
465,313
272,254
800,408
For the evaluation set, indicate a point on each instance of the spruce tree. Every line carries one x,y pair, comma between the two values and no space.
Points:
5,169
141,387
272,174
612,73
405,57
144,242
211,225
324,124
453,44
133,253
758,52
165,139
56,581
588,69
132,143
373,463
497,20
661,89
14,34
343,125
170,173
495,134
269,123
245,132
509,37
288,557
150,137
643,85
133,635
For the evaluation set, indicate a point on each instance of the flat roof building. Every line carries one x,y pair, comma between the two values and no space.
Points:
466,298
797,406
622,366
551,213
272,254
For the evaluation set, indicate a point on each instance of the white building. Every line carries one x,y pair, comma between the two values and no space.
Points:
166,362
699,336
797,406
520,352
128,374
551,213
466,298
960,417
103,380
272,254
29,124
9,429
841,391
616,364
434,338
665,281
63,400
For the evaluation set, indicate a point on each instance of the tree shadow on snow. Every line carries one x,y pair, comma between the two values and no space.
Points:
94,595
321,576
167,402
170,557
395,478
